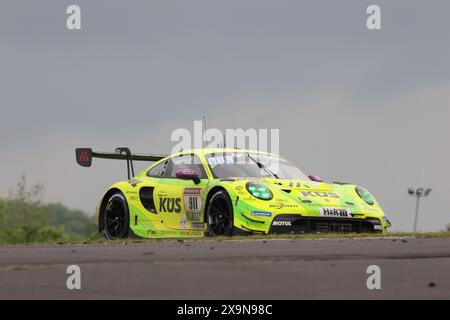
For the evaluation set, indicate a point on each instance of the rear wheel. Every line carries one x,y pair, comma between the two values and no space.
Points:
116,217
219,215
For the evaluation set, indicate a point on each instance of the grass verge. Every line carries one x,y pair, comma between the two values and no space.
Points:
440,234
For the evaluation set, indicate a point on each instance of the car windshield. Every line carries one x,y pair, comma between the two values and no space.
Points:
242,164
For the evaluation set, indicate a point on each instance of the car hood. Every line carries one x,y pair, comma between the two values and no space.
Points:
318,194
311,193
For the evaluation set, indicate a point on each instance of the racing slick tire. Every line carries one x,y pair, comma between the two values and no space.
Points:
219,215
116,217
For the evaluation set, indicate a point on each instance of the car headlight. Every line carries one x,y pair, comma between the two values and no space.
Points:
259,191
365,195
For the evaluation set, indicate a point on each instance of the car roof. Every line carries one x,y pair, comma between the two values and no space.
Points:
202,152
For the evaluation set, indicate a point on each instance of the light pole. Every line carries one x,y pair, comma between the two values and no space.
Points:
419,192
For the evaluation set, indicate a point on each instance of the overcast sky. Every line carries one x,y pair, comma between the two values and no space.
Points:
369,107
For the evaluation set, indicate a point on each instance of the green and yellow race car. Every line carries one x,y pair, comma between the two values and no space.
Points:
225,192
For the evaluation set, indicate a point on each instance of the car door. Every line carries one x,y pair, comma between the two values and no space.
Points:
180,203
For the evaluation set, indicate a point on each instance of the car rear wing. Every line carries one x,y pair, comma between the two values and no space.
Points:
84,157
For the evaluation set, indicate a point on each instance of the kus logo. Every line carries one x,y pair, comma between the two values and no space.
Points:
169,204
320,194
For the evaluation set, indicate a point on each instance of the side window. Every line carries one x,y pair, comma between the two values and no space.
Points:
158,170
185,161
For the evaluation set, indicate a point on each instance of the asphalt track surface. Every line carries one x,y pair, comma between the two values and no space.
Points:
411,268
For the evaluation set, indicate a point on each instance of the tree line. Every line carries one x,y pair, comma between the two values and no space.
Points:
24,218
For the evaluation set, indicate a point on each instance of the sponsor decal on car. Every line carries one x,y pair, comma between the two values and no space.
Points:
261,213
192,190
197,225
283,205
335,212
191,216
169,204
183,222
228,159
192,199
177,233
282,223
320,194
162,194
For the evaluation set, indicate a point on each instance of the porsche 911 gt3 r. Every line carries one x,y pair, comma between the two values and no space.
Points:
225,192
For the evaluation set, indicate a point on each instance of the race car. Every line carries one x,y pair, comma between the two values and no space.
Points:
226,192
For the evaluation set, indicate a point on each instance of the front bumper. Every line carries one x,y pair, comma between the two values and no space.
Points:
297,224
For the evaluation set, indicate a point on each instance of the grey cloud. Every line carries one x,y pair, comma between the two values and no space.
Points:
139,69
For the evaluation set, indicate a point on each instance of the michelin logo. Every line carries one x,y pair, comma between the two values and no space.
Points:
261,213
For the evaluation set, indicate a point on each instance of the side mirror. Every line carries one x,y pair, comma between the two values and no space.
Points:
187,174
315,178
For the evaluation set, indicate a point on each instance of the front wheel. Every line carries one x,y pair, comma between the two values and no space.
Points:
219,215
116,217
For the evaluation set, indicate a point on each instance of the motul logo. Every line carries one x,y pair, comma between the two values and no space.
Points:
282,223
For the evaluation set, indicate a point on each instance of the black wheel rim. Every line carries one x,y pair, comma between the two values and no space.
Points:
219,218
115,218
